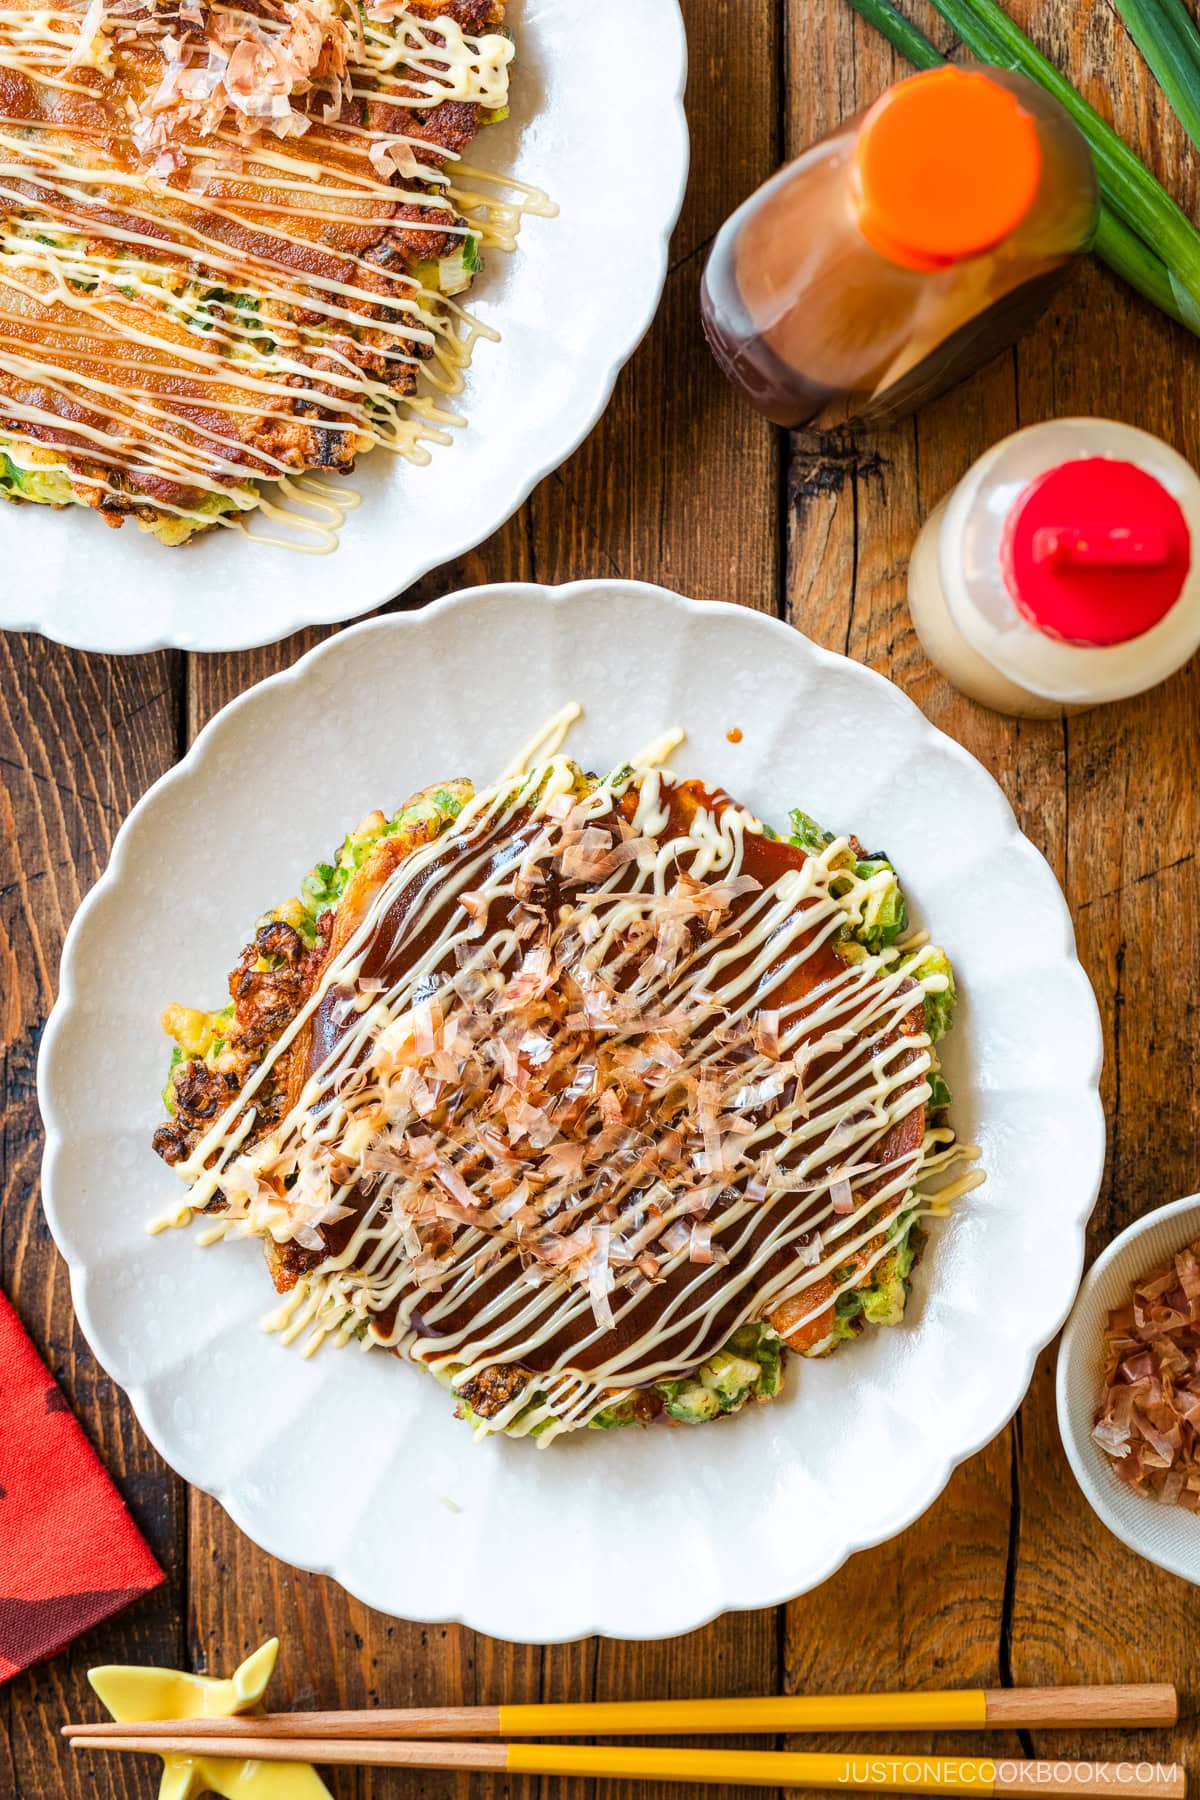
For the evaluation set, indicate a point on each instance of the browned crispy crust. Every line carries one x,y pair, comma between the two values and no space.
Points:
265,1002
493,1388
313,437
473,15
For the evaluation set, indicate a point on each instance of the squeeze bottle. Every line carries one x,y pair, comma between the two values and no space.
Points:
1060,573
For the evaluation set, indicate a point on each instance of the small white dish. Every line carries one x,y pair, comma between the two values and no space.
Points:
1166,1535
598,122
353,1465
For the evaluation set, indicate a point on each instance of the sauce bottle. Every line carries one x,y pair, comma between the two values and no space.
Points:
1059,573
901,251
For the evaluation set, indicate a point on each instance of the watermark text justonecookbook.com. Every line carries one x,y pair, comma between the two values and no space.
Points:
981,1774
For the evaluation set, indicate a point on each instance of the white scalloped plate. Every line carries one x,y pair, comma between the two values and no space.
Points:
571,310
353,1465
1166,1535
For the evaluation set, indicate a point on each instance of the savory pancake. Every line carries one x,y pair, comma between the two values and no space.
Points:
230,241
590,1096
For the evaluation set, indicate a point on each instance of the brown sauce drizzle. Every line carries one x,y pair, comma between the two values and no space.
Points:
392,953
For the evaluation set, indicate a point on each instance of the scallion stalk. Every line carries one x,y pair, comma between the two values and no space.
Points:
1117,240
1166,35
1134,261
1127,184
907,39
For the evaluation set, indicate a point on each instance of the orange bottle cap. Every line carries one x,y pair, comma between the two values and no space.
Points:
946,164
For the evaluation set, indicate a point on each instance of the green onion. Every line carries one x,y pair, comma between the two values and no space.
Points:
1134,261
906,38
1166,35
1126,183
1117,240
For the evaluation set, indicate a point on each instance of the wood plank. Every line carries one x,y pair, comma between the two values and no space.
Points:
80,739
1105,799
679,482
1131,880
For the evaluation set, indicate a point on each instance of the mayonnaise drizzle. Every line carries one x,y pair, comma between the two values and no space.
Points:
147,312
794,1157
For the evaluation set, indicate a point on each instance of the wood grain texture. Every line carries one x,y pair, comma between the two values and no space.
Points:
80,738
1008,1578
1008,1575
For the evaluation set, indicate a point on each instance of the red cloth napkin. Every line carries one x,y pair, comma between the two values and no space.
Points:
69,1552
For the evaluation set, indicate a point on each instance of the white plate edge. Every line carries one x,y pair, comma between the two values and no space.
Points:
657,263
209,738
1085,1476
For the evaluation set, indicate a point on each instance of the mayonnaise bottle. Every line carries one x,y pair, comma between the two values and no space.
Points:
1060,573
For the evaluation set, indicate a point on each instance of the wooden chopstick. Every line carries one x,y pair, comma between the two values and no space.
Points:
954,1710
914,1774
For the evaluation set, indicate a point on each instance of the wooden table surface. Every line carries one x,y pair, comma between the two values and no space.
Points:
1008,1578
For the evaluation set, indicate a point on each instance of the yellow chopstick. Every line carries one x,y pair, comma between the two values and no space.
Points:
913,1774
954,1710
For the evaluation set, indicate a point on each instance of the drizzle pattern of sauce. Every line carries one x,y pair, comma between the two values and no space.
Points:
192,318
584,1085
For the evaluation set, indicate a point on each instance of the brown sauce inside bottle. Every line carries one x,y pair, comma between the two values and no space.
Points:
820,316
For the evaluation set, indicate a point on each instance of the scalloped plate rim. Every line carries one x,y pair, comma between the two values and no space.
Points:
778,1588
578,424
1068,1370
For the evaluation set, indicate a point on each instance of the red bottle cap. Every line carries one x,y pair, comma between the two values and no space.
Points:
1095,551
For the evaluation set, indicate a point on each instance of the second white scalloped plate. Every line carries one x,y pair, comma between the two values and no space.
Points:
598,121
1166,1535
352,1464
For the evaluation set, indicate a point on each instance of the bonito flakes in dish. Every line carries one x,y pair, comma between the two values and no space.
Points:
233,243
590,1095
1148,1421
